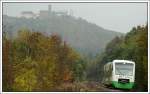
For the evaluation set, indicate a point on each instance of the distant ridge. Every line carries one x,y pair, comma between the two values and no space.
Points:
85,37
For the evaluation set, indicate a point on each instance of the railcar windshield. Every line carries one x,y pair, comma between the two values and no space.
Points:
124,69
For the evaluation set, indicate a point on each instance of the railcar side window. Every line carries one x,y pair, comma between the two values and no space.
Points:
111,67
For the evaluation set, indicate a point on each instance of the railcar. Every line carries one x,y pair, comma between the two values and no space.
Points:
119,74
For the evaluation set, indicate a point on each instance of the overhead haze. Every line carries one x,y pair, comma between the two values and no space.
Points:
119,17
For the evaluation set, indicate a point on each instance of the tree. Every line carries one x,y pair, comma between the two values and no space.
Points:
25,78
7,62
133,46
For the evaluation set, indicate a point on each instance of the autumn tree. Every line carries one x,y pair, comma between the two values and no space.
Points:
42,62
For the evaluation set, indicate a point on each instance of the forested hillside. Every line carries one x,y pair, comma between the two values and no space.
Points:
48,54
133,46
87,38
35,62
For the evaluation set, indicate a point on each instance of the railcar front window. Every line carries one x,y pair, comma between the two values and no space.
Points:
124,69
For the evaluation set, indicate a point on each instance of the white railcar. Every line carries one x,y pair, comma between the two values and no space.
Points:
119,74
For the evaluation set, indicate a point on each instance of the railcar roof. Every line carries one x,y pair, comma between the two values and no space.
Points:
127,61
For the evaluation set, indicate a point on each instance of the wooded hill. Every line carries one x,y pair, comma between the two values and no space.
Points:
87,38
40,54
35,62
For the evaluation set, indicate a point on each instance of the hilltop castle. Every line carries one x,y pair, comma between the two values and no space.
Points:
44,13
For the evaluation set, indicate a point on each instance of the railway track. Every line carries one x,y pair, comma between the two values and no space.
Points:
89,86
98,87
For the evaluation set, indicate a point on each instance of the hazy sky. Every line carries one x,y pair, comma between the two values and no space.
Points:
119,17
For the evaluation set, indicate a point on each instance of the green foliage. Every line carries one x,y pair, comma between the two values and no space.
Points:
92,72
79,70
133,46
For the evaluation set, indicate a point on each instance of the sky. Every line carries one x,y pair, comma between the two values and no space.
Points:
120,17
